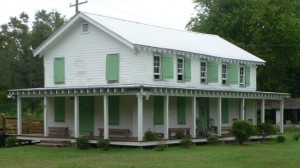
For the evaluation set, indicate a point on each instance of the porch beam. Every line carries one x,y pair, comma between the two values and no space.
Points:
105,116
140,116
194,117
262,111
219,117
45,116
76,116
281,116
19,111
166,117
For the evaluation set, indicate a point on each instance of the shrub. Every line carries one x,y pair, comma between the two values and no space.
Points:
103,144
161,146
296,137
280,139
212,140
150,135
179,135
186,143
242,130
82,143
266,129
10,141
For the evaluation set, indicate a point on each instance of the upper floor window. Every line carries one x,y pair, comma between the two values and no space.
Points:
157,67
203,71
180,69
242,76
85,28
224,74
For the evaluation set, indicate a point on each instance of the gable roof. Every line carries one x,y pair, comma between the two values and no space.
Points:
140,36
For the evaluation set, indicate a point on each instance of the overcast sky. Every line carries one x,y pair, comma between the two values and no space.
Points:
167,13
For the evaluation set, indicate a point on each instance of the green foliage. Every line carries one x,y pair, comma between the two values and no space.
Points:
103,144
296,137
10,141
280,139
242,130
150,135
179,135
161,146
266,129
186,143
212,140
82,143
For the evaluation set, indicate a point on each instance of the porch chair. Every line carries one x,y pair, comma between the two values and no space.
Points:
200,130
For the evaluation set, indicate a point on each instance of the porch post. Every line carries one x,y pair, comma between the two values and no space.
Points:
166,117
262,111
76,117
105,105
243,109
281,116
45,116
194,117
219,117
19,110
140,115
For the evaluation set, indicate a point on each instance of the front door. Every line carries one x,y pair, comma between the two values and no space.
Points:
204,112
86,114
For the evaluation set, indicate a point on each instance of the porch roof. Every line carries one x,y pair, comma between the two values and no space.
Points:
152,90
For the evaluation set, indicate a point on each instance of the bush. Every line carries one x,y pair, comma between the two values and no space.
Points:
280,139
266,129
82,143
212,140
150,135
186,143
179,135
296,137
103,144
10,141
161,146
242,130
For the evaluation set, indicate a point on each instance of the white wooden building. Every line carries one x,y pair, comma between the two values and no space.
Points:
107,73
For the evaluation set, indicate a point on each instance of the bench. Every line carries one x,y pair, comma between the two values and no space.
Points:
186,131
58,131
228,129
114,131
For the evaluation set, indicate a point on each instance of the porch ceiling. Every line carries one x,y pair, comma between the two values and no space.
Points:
145,89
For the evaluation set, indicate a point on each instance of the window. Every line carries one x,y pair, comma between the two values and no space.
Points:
112,67
242,76
158,106
113,110
157,67
85,28
203,72
224,74
59,70
59,109
180,69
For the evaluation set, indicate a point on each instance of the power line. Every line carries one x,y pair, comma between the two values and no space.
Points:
77,4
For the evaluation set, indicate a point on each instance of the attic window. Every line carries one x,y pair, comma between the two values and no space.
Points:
85,28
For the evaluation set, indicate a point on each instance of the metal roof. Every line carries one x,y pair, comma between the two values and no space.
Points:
139,35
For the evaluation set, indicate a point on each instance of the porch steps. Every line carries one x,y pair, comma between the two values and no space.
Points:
54,143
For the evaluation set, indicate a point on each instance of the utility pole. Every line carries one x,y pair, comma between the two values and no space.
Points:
77,4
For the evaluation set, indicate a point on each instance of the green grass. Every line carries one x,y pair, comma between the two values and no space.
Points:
268,154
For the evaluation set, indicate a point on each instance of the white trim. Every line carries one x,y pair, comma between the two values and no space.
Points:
219,117
243,109
140,116
45,117
166,117
76,116
262,111
19,111
105,117
281,116
194,117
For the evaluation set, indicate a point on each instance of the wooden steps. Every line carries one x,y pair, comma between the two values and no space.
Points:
53,143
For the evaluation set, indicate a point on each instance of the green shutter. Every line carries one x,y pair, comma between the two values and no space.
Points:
158,106
233,72
247,75
187,69
114,110
167,67
59,70
225,110
112,67
59,109
212,72
181,111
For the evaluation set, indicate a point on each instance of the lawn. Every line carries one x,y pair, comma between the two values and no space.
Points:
268,154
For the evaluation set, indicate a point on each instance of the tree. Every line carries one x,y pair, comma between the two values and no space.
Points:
269,29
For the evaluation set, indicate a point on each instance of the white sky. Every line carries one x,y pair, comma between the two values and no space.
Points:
167,13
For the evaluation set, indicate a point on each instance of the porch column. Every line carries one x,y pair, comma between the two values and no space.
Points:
76,116
19,110
281,116
262,111
140,116
105,105
243,109
166,117
45,116
194,117
219,117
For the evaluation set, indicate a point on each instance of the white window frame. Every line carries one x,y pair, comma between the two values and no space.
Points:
180,69
224,74
87,27
242,76
157,75
203,72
